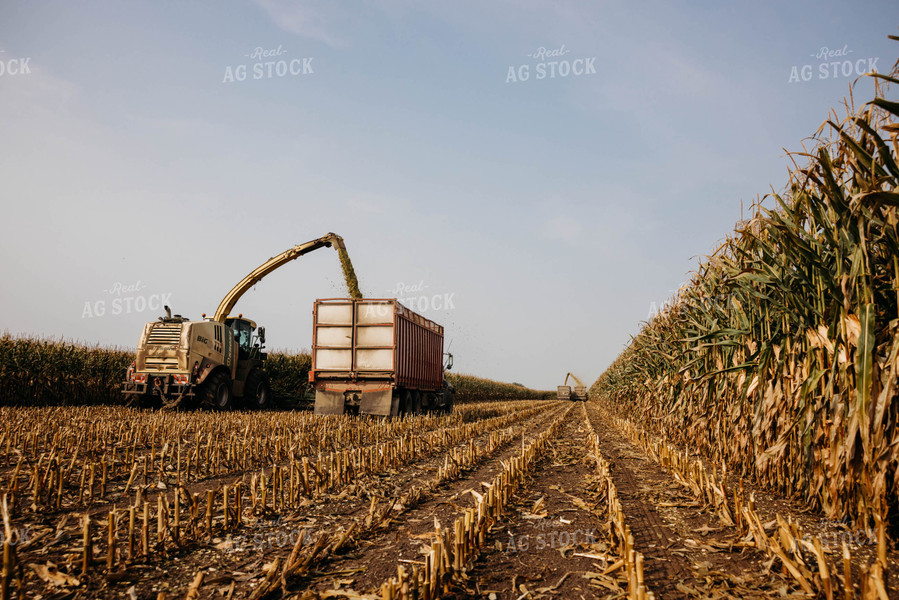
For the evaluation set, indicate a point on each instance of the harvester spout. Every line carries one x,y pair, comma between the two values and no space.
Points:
332,239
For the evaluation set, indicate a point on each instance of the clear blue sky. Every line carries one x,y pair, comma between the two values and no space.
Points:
551,213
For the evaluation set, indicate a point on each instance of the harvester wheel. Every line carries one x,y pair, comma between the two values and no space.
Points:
216,392
257,390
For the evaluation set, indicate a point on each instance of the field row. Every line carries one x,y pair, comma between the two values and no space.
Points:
166,518
551,499
75,458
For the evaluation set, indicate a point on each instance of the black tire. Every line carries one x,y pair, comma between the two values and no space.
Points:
448,398
416,403
257,391
215,392
405,403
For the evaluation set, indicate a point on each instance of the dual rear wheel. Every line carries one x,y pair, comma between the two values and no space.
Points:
411,403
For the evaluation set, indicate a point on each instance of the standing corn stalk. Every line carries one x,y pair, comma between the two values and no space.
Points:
781,356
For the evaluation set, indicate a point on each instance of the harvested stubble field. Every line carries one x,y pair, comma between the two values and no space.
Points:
501,499
744,445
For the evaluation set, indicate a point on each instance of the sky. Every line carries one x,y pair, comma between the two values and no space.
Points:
537,177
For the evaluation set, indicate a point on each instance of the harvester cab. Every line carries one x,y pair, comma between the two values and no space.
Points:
243,334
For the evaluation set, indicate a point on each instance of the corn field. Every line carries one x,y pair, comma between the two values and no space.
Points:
778,361
744,445
501,497
470,388
94,491
39,372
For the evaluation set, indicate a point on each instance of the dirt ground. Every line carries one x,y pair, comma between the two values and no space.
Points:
553,541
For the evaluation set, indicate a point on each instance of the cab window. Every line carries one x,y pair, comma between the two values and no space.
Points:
242,332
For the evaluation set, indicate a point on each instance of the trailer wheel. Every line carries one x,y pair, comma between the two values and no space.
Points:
257,390
216,391
416,403
448,397
405,403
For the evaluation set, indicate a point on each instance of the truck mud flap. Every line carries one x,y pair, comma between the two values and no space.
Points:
378,403
328,403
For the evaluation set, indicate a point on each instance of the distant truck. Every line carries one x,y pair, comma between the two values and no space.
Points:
563,392
377,357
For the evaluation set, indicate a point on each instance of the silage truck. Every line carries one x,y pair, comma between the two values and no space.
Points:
578,394
218,360
377,357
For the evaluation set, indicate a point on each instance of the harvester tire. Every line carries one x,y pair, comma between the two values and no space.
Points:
216,392
257,390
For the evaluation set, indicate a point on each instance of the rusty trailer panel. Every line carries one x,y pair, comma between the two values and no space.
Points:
418,351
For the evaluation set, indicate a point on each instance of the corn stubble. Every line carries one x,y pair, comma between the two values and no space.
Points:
167,482
780,358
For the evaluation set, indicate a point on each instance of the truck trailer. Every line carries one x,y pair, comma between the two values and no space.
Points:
376,357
